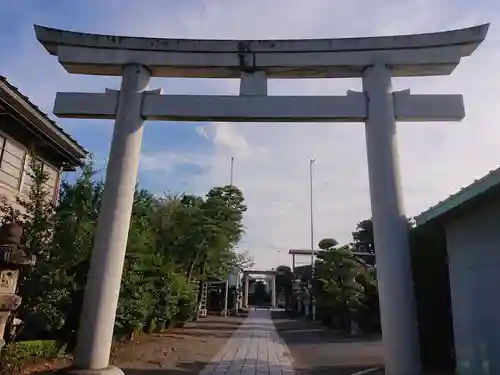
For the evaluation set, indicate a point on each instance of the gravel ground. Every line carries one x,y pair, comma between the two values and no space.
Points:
317,350
178,351
181,350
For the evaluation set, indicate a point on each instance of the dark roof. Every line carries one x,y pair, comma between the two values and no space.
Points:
480,189
58,135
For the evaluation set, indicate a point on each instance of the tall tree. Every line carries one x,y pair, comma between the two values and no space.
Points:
224,208
363,237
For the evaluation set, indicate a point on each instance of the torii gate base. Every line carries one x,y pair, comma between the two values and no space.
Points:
375,60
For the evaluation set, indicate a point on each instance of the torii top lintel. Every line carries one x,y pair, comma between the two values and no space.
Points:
407,55
260,272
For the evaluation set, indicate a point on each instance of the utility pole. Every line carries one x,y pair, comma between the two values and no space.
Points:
313,298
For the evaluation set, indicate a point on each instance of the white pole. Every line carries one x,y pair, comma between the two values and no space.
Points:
394,273
231,171
313,298
311,165
106,266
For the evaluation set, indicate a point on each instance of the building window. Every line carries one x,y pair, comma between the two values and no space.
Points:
27,180
15,169
50,184
11,163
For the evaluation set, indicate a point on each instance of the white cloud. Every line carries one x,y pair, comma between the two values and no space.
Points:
272,160
226,136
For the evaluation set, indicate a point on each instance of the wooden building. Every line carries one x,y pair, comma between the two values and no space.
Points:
26,132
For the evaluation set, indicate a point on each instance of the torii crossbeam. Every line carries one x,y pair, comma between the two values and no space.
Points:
374,60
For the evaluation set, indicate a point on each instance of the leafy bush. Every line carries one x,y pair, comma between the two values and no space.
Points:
340,294
18,354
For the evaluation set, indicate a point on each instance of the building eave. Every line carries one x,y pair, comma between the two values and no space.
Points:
38,120
467,195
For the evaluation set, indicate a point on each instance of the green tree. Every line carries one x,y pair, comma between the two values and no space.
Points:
37,211
52,292
339,293
284,283
327,243
363,237
174,242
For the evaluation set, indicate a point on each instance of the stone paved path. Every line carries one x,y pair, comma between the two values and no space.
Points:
254,349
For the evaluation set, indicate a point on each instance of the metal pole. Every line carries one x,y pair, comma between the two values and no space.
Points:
311,164
313,299
231,171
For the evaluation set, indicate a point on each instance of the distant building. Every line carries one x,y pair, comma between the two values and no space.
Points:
25,132
469,223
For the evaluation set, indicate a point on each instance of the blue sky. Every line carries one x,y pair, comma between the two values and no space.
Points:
17,32
271,160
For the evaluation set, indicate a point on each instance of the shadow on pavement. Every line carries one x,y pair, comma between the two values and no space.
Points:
193,368
335,370
298,330
196,367
319,350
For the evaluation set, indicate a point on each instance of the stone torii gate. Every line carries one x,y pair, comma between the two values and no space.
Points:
271,275
375,60
295,252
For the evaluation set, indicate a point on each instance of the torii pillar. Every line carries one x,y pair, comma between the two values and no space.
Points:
245,291
390,226
273,291
106,266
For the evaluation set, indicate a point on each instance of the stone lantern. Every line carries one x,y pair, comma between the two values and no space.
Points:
12,260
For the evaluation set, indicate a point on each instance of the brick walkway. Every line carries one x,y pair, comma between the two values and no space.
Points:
254,349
